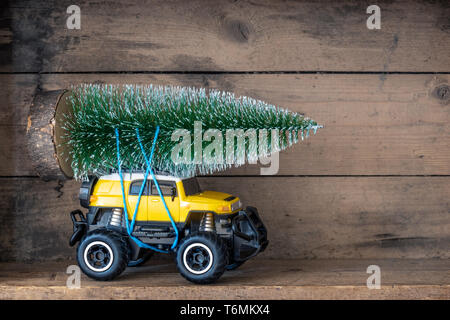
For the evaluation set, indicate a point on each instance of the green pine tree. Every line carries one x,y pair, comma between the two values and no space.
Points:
97,110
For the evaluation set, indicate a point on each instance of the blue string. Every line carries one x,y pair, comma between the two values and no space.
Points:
138,242
156,182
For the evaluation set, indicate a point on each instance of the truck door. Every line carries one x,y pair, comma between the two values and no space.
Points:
157,211
133,194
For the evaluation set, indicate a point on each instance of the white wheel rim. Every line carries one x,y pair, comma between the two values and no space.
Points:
186,264
86,260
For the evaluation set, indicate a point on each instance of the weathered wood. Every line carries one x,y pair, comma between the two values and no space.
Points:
262,279
224,36
315,217
392,125
16,96
375,124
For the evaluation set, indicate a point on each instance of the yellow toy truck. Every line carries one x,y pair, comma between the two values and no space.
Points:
214,232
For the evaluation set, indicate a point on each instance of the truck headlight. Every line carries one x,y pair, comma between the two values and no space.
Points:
237,205
223,209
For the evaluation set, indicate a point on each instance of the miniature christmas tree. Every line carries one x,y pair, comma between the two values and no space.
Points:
201,131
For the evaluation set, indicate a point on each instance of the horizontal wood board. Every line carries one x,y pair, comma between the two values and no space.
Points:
307,218
373,125
136,35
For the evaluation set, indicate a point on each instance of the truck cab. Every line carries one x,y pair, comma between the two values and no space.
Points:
182,196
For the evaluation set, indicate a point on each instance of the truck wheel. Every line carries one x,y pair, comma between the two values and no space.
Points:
202,257
139,262
103,254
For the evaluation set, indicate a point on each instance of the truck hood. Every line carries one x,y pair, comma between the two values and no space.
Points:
209,196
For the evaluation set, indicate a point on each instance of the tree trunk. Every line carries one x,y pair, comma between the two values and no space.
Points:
47,151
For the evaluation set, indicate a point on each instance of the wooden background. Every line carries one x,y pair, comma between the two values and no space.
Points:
374,183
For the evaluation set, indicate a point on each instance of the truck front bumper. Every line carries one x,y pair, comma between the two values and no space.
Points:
249,234
79,226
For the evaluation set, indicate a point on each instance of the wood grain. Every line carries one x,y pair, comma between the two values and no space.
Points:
307,218
42,126
261,279
16,96
218,35
390,125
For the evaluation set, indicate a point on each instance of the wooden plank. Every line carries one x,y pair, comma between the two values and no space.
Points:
348,217
16,95
390,125
314,217
263,279
223,36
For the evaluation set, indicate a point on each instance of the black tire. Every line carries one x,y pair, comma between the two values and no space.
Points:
103,254
234,265
142,260
202,257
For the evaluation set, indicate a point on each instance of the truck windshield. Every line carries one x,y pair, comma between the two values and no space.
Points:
191,186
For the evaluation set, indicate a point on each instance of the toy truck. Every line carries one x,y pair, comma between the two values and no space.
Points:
214,232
